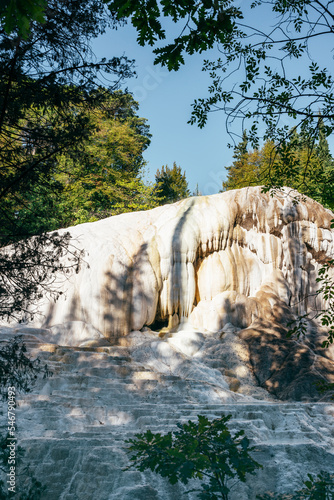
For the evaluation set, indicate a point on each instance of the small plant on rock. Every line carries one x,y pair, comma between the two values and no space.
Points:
204,450
320,487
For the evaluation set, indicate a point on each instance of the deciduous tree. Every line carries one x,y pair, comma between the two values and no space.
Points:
303,165
49,84
103,177
204,450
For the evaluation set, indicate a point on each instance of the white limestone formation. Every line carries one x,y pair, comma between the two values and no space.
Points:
179,311
242,258
210,260
73,425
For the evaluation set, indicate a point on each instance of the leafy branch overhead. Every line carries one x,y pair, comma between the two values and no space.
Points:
206,23
261,76
17,369
28,272
19,14
327,291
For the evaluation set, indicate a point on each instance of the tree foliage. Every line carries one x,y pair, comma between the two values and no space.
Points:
17,15
206,24
48,87
267,75
18,373
271,89
326,290
101,179
28,269
170,184
16,369
307,166
49,84
205,450
249,166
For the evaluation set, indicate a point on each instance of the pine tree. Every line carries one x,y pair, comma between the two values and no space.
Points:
170,184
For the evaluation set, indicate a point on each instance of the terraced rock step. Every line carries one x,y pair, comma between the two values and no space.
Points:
74,425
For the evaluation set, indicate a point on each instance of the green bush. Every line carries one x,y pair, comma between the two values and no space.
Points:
320,487
205,450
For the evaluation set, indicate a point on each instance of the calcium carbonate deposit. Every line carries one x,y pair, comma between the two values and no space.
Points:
179,311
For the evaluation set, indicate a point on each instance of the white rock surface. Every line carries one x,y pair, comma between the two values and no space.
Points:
73,425
217,278
212,259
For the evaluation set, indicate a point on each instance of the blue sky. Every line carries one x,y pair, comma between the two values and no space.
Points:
165,100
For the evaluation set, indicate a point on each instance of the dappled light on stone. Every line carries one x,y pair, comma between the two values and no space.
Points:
214,259
179,311
242,257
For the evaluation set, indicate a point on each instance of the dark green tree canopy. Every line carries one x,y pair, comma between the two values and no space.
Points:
170,184
50,83
104,178
17,15
48,86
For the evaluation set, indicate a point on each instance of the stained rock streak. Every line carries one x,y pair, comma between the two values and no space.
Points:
210,260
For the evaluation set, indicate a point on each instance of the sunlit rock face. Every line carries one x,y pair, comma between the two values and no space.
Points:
232,257
243,258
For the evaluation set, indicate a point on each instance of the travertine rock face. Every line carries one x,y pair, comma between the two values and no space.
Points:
243,258
179,311
73,425
232,257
